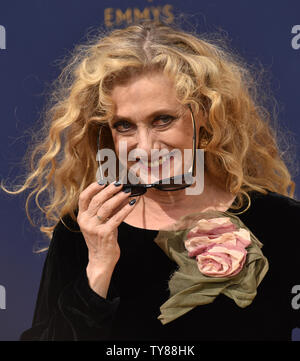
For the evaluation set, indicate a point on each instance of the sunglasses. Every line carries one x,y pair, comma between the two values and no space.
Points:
167,184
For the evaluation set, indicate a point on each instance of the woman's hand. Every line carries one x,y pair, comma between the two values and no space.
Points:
101,210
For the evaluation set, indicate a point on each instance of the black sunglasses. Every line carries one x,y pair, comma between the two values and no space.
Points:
168,184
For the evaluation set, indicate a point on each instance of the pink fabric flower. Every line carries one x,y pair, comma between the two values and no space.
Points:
219,246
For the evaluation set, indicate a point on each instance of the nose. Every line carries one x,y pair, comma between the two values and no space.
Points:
145,141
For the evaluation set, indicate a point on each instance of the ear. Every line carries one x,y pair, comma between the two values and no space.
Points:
203,141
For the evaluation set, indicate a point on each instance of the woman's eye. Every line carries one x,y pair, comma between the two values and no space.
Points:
163,120
122,126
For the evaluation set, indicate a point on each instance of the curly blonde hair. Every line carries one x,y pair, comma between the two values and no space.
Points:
241,144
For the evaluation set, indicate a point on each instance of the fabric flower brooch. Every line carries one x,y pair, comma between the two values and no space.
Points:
219,247
215,253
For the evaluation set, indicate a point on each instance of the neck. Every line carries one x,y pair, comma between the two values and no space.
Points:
156,209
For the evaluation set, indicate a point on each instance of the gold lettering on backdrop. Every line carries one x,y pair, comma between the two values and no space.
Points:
167,11
145,14
117,16
108,17
156,12
121,17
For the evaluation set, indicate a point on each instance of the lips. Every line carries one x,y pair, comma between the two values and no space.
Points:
164,163
155,163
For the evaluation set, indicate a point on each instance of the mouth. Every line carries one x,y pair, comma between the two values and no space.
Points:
156,164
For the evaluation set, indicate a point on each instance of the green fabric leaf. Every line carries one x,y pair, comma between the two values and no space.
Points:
189,287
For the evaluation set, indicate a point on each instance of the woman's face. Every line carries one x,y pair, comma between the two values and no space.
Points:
148,116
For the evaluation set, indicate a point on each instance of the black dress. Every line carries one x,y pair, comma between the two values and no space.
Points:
68,309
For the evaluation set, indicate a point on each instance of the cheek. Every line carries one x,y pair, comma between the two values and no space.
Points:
116,144
178,138
118,141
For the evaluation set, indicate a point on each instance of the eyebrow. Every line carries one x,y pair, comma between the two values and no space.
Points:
117,118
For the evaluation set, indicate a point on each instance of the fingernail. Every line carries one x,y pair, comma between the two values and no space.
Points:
126,190
131,203
117,183
101,182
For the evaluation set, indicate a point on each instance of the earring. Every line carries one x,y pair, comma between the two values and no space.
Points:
203,141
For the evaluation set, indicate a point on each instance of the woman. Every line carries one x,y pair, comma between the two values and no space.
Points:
104,276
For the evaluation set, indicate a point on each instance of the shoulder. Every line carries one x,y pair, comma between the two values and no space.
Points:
275,203
67,225
274,218
67,240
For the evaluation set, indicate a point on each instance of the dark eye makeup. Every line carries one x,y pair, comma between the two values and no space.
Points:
165,119
160,121
121,124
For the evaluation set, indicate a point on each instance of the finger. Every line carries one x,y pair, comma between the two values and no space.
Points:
112,206
119,217
86,195
99,199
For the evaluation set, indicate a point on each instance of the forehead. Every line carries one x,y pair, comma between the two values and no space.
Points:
144,93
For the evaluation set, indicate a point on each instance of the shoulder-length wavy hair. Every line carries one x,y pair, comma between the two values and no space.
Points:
241,145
